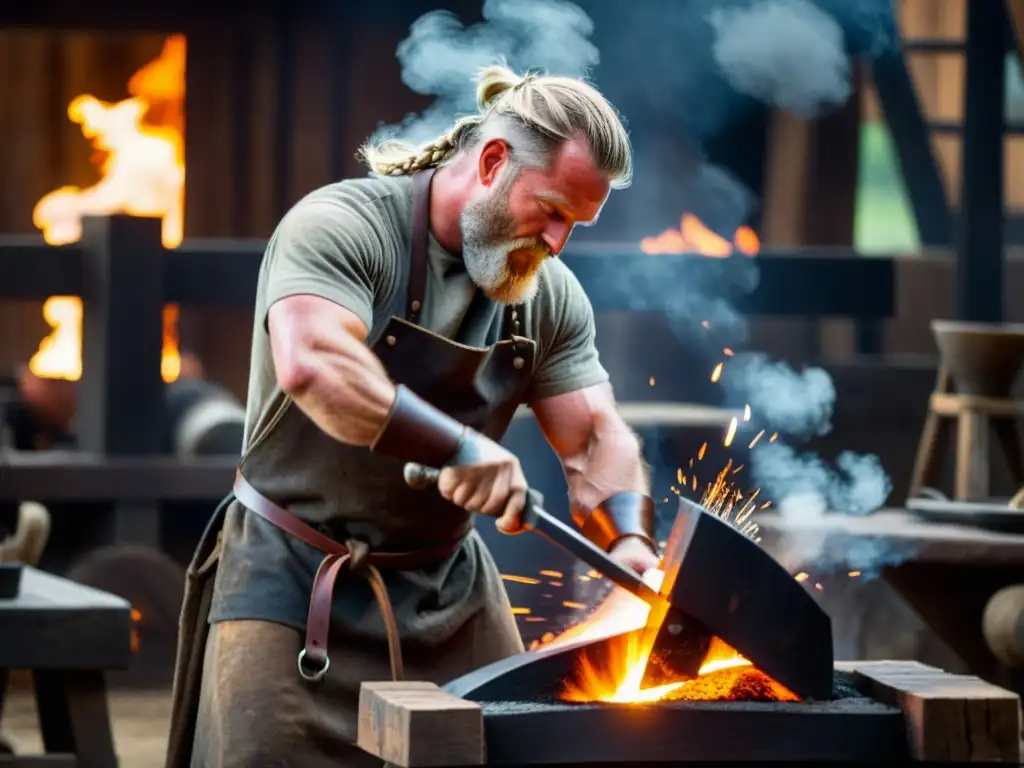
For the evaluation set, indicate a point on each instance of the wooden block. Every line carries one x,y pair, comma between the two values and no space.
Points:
949,717
416,725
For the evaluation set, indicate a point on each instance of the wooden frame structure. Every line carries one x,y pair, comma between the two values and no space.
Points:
125,277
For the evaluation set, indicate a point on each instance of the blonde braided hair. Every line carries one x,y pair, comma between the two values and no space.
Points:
533,113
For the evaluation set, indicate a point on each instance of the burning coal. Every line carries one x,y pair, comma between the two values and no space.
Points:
724,676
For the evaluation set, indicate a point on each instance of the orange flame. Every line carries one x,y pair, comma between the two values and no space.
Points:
694,237
141,158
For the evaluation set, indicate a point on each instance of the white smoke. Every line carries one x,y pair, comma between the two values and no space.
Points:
804,485
796,403
785,53
441,56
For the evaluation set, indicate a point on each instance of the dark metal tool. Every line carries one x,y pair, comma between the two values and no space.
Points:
683,643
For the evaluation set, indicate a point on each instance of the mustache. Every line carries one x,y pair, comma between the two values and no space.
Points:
530,245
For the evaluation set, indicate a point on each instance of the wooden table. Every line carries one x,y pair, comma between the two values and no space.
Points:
67,635
946,573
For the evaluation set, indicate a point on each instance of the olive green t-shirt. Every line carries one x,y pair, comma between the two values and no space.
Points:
349,243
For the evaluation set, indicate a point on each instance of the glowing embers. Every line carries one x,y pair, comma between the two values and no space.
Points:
612,672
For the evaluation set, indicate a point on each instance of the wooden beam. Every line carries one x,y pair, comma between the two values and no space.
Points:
788,168
949,717
416,724
1016,14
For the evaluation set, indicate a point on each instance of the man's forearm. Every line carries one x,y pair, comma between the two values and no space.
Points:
347,393
612,463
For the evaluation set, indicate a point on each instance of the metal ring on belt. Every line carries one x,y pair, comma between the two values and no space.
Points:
313,660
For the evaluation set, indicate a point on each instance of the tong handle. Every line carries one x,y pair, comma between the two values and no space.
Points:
536,518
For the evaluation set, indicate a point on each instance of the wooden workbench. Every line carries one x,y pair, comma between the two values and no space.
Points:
946,573
68,635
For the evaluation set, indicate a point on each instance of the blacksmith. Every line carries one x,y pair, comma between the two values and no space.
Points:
403,318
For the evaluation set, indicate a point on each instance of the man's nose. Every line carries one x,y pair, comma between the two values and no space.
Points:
555,236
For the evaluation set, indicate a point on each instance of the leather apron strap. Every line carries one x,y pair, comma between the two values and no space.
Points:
314,660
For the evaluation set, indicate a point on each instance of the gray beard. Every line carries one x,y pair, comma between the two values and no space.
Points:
487,244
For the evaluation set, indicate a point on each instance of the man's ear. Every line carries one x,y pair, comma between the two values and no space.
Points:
494,154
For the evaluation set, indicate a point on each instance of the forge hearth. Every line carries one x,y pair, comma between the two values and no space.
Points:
882,710
855,728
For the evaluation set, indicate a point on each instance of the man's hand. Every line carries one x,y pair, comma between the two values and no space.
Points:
492,485
633,553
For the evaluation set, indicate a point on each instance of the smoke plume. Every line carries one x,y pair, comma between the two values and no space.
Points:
796,403
785,53
441,56
684,74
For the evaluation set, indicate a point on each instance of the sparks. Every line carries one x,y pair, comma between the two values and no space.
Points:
717,373
757,437
519,579
731,433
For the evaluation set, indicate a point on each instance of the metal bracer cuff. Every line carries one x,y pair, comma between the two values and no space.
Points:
629,513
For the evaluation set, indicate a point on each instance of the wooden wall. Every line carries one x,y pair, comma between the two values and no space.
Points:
939,79
255,143
41,72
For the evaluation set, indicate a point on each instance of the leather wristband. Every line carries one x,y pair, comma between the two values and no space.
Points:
417,431
629,513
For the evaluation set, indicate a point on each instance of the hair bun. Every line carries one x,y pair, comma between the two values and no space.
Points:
492,82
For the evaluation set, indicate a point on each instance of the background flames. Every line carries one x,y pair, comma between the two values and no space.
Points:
140,155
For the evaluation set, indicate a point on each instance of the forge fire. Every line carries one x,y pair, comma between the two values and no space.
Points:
724,676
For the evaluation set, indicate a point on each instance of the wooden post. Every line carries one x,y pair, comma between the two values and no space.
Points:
120,405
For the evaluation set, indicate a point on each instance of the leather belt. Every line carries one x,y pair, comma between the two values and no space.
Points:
314,660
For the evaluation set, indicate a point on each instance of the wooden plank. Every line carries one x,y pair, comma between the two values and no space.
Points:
414,724
1016,13
949,717
38,761
927,542
666,415
57,624
88,477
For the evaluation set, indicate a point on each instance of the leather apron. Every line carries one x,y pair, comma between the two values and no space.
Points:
479,386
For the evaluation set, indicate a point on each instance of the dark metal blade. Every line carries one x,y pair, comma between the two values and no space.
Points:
679,644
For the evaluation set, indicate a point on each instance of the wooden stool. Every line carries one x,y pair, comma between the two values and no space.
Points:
979,365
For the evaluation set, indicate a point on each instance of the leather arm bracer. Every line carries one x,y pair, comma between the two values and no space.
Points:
417,431
629,513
